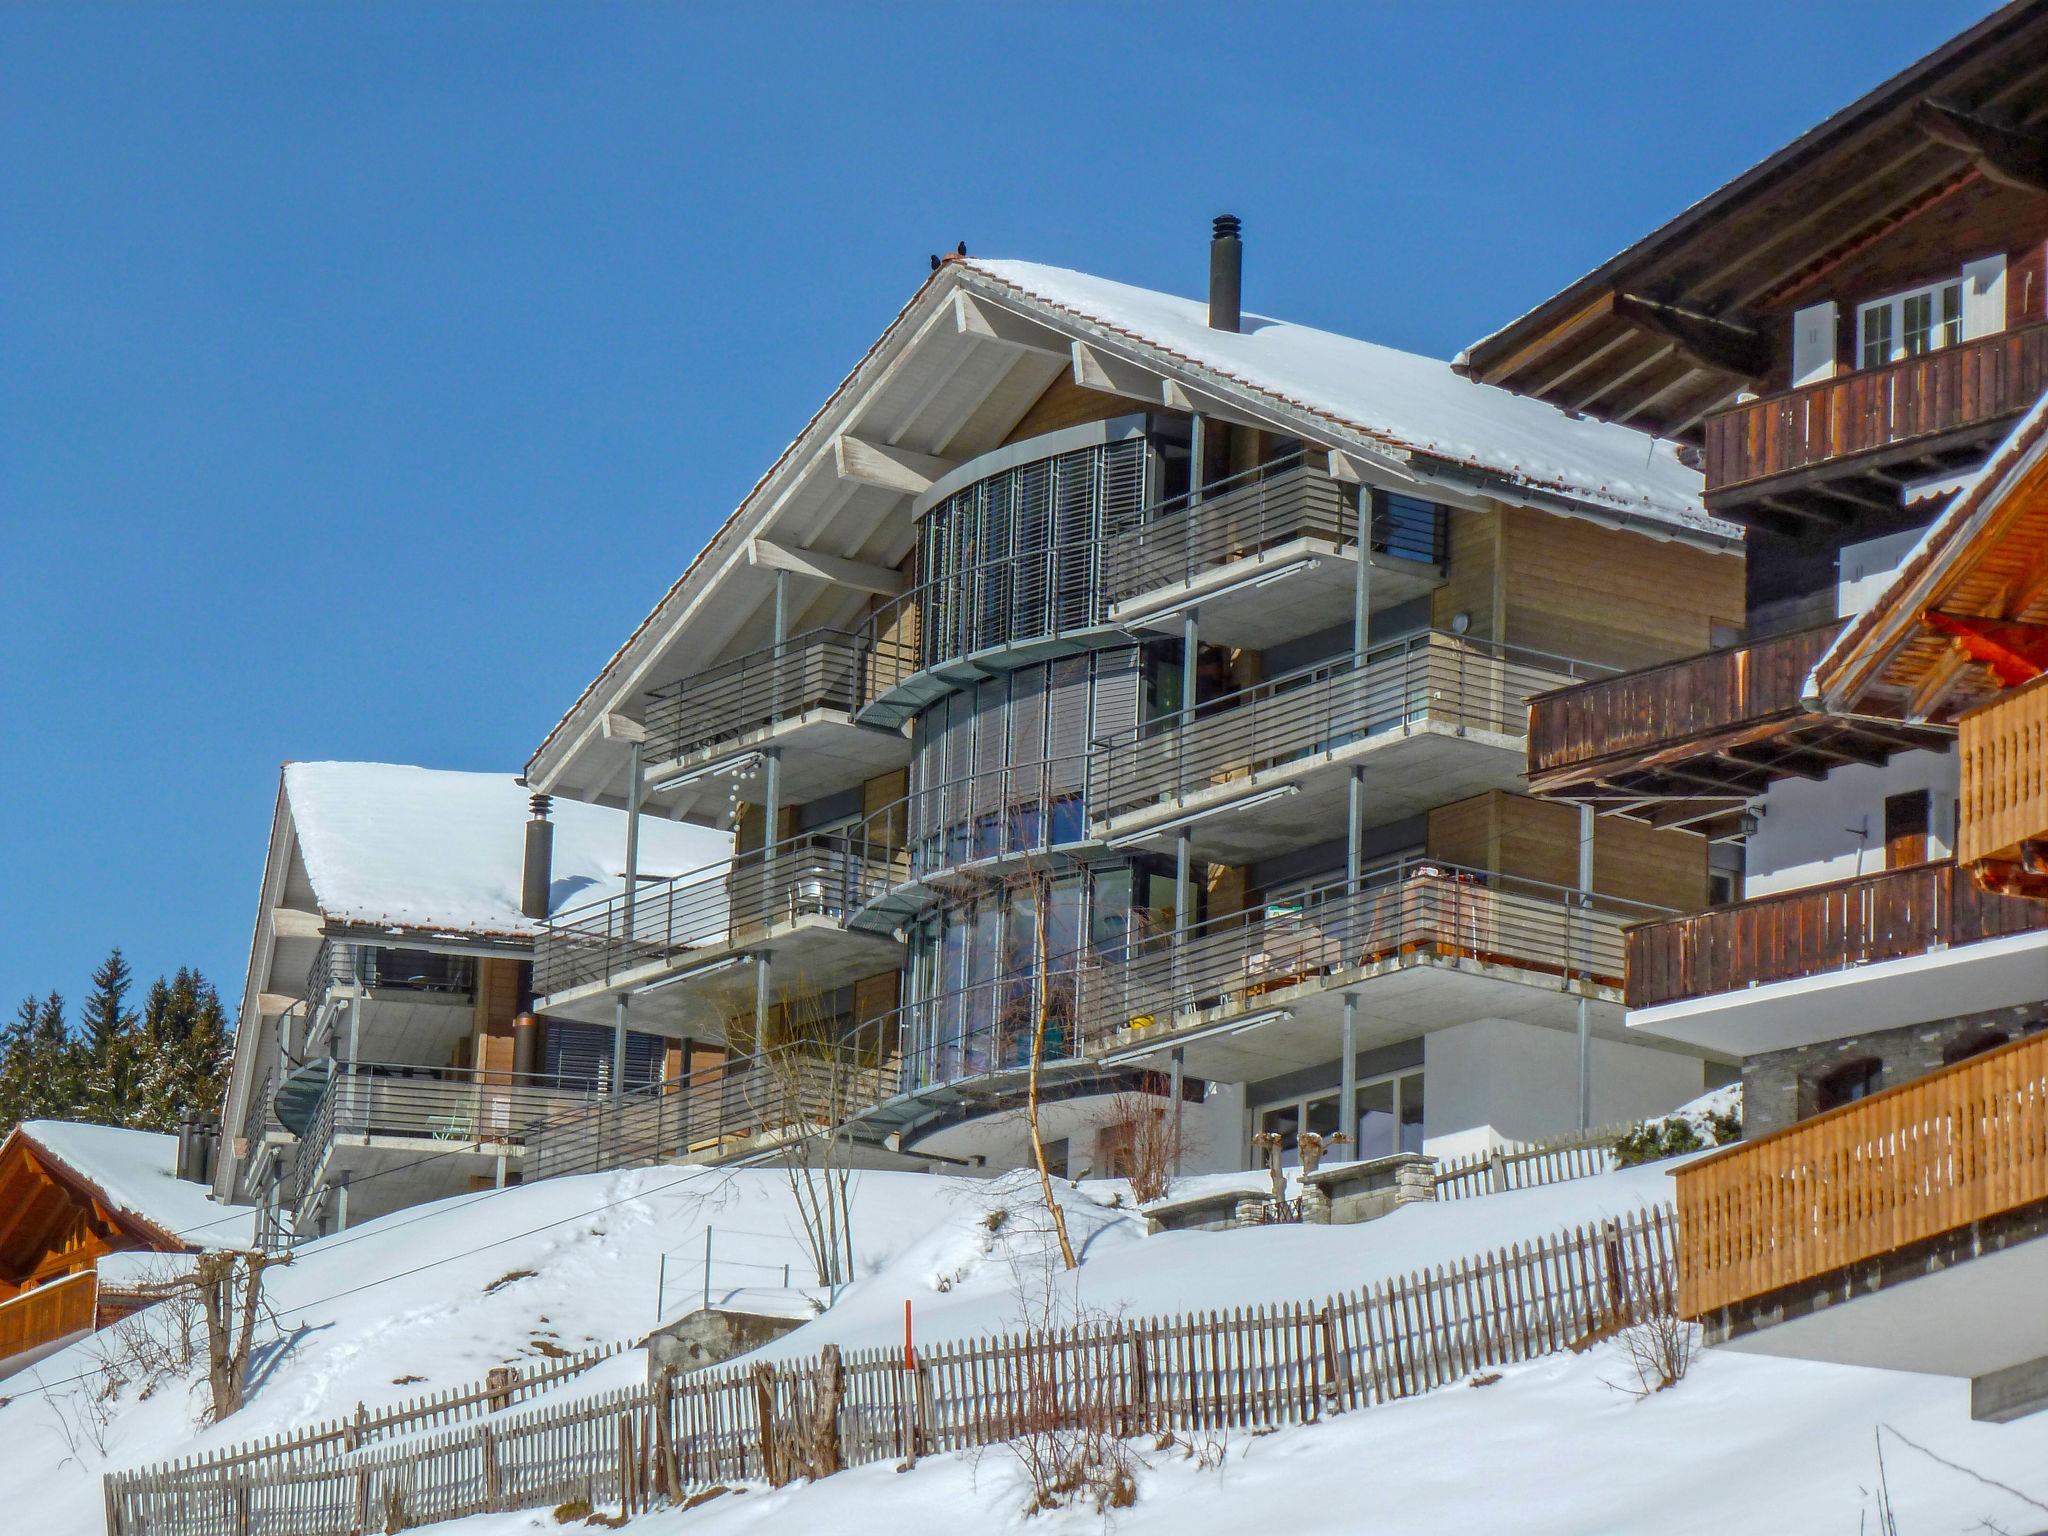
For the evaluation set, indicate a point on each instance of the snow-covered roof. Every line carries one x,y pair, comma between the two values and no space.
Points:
430,848
134,1173
1412,403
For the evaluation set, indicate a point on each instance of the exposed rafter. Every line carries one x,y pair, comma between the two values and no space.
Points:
1708,340
991,322
834,570
881,464
2013,157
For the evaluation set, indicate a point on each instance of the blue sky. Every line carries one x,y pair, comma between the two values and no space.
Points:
367,372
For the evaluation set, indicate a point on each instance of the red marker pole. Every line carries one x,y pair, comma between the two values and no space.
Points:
909,1354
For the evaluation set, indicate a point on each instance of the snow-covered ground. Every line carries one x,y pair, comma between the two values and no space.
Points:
433,1297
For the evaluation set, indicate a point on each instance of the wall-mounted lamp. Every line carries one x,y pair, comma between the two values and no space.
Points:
1460,622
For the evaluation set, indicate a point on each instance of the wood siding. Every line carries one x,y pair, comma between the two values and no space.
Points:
1818,930
1067,404
1905,1165
2003,798
1574,588
1472,575
1539,840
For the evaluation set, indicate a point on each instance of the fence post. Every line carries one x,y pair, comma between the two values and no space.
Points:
1334,1364
827,1453
493,1487
1141,1386
764,1406
1617,1281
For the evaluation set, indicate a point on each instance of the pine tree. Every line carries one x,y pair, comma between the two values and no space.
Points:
182,1052
40,1064
109,1042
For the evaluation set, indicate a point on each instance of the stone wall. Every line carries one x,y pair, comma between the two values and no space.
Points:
1781,1087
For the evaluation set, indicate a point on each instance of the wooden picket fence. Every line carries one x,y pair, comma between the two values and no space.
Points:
502,1389
1526,1165
1247,1367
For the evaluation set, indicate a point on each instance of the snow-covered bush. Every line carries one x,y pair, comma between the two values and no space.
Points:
1712,1120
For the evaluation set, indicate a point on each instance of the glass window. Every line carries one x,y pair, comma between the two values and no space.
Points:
1411,1112
1376,1120
1910,324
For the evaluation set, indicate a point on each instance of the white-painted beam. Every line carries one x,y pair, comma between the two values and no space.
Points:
295,923
618,727
274,1003
991,322
837,570
893,469
1113,375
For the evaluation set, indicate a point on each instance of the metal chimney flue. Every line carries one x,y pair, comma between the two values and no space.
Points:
539,873
1226,274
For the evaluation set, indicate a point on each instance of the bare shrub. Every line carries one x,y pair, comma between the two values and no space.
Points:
1149,1141
1659,1351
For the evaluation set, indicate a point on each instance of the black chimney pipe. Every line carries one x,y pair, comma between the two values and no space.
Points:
540,859
1226,274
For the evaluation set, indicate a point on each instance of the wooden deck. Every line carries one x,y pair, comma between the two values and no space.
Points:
47,1313
1822,928
1902,1166
2003,800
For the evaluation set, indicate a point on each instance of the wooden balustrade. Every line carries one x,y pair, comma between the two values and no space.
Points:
2003,798
1673,702
1918,399
1822,928
48,1313
1902,1166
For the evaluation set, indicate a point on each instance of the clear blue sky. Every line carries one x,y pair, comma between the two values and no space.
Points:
367,372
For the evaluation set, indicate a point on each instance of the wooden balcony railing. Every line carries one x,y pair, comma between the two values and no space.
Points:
1900,1167
1924,397
1676,701
48,1313
1823,928
2003,797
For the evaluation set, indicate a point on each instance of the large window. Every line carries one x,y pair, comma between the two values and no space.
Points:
1908,324
1389,1118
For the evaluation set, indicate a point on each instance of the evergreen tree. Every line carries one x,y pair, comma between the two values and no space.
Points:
182,1053
40,1065
110,1042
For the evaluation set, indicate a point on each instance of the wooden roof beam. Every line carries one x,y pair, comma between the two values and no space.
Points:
834,570
2012,157
1708,340
991,322
893,469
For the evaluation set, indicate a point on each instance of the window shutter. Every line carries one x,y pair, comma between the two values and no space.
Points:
1813,344
1984,296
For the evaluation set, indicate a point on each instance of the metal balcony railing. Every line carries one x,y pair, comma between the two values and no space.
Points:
816,875
1427,680
350,963
1413,908
818,669
455,1105
1243,516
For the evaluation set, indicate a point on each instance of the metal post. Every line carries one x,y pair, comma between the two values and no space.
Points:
1361,589
1179,1066
1347,1074
771,810
707,1268
341,1203
628,900
661,1289
355,1030
1183,864
1585,916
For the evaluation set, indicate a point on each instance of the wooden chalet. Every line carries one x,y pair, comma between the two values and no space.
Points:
70,1195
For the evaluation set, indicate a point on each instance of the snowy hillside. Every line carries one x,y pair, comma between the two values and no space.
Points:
433,1297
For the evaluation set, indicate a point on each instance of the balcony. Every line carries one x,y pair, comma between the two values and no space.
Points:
799,697
374,1118
1424,943
1917,416
1688,743
2002,804
1877,952
418,991
680,947
1427,720
1269,555
44,1319
1901,1231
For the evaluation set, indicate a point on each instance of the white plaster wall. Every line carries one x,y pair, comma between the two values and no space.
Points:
1521,1082
1864,570
1813,831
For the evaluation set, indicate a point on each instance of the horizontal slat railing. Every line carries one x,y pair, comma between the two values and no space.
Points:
47,1313
815,875
1905,1165
1426,681
1973,382
819,669
2002,799
1674,702
1418,907
1243,517
1248,1367
1822,928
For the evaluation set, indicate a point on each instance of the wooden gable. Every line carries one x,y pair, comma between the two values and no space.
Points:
53,1223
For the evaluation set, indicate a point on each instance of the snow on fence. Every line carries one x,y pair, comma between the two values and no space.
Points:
1525,1165
1248,1367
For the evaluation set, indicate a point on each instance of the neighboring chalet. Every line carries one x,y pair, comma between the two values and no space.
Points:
1854,334
387,1051
1155,670
71,1196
